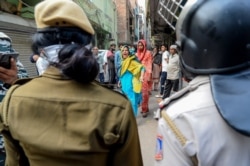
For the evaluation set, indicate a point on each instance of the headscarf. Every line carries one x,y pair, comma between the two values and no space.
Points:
134,67
141,53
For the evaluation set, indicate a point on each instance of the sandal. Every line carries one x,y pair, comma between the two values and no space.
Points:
144,114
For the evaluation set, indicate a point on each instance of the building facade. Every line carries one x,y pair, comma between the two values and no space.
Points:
103,17
162,16
17,20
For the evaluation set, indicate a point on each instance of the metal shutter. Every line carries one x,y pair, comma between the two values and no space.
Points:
21,42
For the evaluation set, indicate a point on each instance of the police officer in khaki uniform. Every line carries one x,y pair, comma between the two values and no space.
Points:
63,117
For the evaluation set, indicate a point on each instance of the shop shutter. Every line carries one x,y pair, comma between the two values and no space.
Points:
21,42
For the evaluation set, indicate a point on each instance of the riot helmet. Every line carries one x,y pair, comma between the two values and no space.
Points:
214,36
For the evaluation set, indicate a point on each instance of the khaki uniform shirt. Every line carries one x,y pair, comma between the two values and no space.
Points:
55,121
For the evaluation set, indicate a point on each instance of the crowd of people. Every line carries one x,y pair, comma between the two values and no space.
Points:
65,117
156,63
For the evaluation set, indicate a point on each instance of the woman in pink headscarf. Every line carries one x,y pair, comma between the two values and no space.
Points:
145,57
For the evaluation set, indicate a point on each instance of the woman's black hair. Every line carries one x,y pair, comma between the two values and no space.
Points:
52,36
127,48
75,60
78,63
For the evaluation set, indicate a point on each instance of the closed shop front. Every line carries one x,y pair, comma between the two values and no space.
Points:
20,32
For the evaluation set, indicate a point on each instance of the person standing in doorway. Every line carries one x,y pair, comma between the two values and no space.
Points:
146,58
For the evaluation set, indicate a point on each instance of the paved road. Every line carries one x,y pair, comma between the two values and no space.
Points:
148,129
147,132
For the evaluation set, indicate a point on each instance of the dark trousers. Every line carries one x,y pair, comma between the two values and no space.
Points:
101,78
168,87
163,81
112,79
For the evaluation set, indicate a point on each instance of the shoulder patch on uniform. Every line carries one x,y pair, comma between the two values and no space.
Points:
159,148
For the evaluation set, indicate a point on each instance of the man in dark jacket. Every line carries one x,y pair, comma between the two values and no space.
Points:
111,66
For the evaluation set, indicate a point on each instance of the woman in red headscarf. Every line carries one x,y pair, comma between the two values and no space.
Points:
145,57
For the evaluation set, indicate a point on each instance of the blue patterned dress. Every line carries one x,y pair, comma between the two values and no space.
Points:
129,78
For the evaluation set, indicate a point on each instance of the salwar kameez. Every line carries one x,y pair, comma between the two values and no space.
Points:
130,84
146,59
127,89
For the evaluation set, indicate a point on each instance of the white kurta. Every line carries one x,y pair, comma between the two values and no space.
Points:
173,68
209,137
164,63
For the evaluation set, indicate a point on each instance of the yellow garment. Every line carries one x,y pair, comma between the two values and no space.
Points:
135,68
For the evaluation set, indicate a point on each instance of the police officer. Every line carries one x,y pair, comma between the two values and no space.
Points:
16,69
8,76
209,123
63,117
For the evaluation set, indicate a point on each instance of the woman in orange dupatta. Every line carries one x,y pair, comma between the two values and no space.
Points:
146,58
131,77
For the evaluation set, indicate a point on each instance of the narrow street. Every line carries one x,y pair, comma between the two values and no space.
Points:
147,131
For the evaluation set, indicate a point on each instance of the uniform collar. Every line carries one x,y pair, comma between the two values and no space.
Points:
231,94
55,73
199,80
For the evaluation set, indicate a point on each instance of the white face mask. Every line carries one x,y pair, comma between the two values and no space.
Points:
48,55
